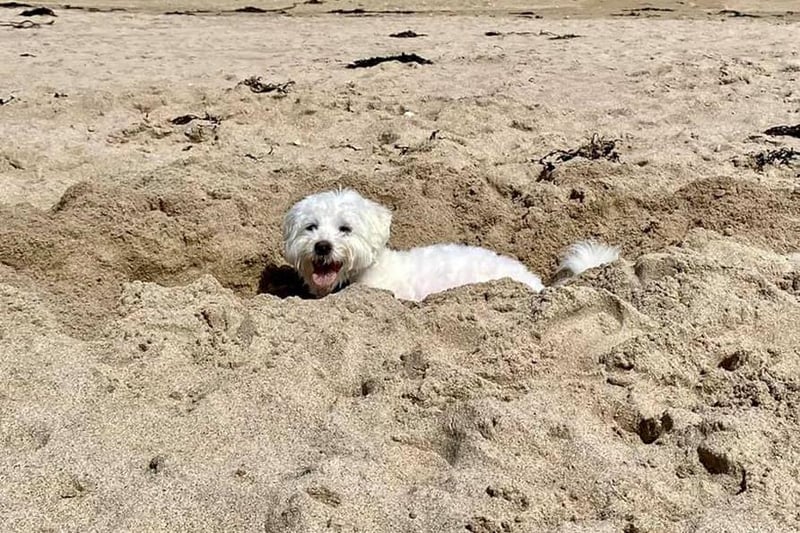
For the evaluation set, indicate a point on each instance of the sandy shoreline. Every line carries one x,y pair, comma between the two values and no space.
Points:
786,9
146,385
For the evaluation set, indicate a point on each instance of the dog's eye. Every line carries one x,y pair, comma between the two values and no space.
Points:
311,227
345,229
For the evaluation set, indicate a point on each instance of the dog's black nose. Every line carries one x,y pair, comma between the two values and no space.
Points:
323,248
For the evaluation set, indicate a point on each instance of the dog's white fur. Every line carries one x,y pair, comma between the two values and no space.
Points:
360,255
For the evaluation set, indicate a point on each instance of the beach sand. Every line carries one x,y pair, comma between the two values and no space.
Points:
155,377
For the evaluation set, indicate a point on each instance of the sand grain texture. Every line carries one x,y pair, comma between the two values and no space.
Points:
153,378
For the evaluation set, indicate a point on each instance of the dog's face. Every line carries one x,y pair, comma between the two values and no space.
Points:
331,237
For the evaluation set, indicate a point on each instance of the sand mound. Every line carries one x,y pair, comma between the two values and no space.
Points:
159,372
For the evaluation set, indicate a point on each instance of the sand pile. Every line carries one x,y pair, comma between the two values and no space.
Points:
154,375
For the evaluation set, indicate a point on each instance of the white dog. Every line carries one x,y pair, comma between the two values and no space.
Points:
338,237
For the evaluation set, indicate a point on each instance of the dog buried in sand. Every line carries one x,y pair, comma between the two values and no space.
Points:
338,237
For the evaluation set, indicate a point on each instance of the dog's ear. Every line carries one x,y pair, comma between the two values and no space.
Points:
292,227
379,222
291,223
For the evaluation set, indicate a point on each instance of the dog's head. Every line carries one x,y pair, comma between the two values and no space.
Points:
331,237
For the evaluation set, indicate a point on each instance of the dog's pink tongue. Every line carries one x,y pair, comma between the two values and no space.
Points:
325,276
324,279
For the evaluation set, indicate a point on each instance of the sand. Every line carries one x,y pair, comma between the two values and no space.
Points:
159,373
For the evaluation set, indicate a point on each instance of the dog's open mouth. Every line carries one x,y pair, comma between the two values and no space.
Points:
325,274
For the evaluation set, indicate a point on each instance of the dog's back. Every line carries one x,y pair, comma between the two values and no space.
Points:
414,274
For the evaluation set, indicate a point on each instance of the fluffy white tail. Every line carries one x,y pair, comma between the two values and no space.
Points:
584,255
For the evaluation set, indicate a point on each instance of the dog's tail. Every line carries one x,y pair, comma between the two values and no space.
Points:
582,256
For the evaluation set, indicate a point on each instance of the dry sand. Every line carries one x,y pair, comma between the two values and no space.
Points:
146,385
